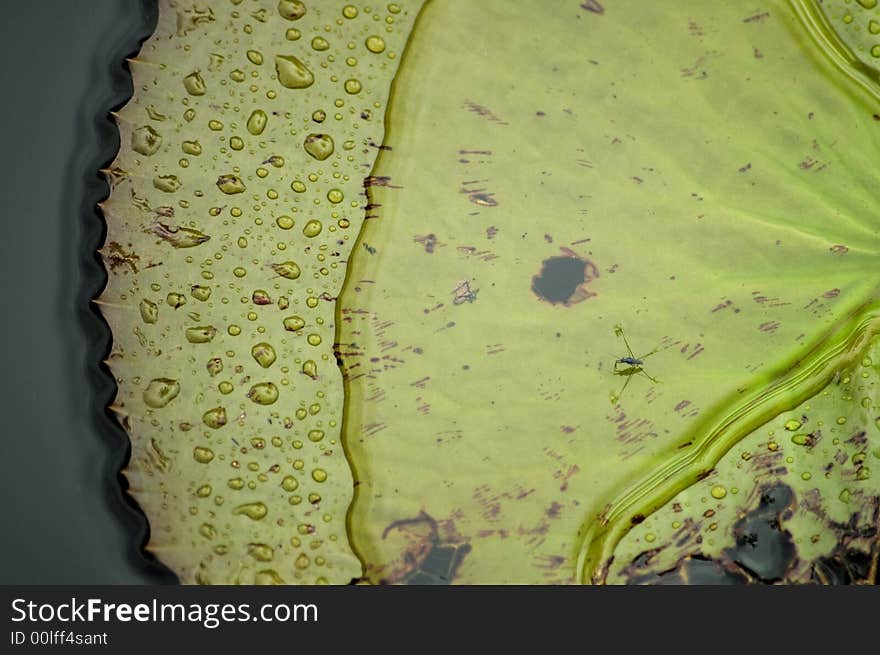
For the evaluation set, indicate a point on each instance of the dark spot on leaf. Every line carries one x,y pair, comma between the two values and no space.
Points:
429,558
694,570
762,551
563,279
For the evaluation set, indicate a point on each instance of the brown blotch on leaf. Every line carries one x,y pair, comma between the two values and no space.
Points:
593,6
427,557
116,256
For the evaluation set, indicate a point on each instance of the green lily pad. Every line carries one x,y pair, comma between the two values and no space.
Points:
702,177
606,299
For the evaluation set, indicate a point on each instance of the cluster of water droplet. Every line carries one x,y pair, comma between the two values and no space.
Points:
236,198
858,24
824,449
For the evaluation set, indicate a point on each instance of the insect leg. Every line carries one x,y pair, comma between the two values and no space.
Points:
652,379
628,378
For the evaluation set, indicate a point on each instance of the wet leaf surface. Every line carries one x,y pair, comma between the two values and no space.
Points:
712,164
607,315
236,197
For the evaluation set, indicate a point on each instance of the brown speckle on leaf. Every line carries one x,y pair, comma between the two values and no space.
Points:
593,6
116,255
484,112
429,241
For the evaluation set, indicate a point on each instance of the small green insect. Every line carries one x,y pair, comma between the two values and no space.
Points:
630,365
